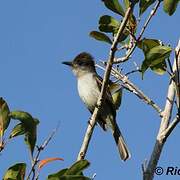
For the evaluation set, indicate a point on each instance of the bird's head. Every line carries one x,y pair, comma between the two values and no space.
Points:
82,63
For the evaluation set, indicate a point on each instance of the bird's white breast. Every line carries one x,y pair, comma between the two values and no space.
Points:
88,90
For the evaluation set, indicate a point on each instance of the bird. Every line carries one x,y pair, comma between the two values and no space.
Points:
89,87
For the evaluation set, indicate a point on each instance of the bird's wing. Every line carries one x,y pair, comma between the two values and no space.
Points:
108,96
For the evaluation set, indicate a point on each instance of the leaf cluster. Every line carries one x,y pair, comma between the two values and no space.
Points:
154,51
27,125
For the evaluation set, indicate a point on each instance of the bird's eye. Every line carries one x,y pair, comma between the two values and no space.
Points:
82,63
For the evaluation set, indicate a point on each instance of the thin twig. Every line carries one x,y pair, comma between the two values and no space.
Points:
132,72
122,47
125,58
134,89
92,122
39,150
153,11
170,65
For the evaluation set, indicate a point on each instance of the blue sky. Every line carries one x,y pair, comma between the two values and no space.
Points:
35,37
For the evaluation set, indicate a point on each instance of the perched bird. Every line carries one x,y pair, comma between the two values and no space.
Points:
89,86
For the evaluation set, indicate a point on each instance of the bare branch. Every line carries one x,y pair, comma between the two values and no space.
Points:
153,12
165,134
107,73
132,72
128,55
177,76
133,88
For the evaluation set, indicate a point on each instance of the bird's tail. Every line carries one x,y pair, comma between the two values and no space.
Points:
122,147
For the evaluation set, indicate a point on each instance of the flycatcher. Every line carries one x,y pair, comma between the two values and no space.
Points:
89,86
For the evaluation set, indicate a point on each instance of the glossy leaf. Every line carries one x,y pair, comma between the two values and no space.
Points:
58,174
31,137
155,57
114,6
108,24
47,160
158,54
144,4
18,130
100,37
30,125
170,6
4,116
69,177
77,167
159,69
74,172
147,44
15,172
22,116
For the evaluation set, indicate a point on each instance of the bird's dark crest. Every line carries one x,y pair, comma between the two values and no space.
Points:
84,58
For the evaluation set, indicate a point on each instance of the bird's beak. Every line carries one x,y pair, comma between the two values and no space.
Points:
68,63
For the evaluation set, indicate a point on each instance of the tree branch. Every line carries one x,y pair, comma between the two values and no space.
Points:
92,122
134,89
165,134
177,76
164,127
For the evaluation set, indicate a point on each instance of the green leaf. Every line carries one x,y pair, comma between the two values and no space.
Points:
4,116
170,6
144,4
144,67
108,24
15,172
155,57
100,36
126,3
18,130
58,174
159,69
22,116
77,167
31,137
69,177
30,125
147,44
158,54
114,6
